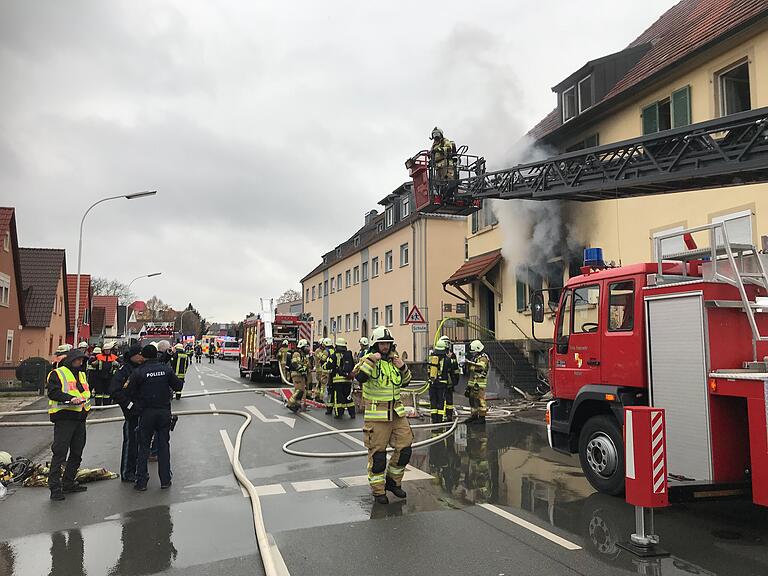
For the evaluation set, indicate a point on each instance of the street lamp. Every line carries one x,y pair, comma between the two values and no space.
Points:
80,247
125,325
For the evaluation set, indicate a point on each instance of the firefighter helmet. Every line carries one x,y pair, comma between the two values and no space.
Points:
109,345
327,342
83,344
364,342
179,346
381,334
163,346
441,346
97,350
5,458
341,342
285,342
436,133
476,346
303,343
62,349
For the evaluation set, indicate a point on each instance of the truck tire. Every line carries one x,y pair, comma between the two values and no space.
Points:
255,376
601,452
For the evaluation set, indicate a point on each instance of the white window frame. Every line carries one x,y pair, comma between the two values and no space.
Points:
388,315
364,271
314,294
356,275
7,242
374,267
721,87
347,322
380,226
575,103
356,241
375,317
738,215
338,323
306,300
578,94
348,278
389,215
404,312
356,321
388,261
9,346
5,290
404,255
406,207
338,282
333,284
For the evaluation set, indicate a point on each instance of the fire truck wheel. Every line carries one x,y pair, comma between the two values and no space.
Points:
602,455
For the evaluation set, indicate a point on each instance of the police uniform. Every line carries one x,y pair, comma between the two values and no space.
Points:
65,385
117,389
150,388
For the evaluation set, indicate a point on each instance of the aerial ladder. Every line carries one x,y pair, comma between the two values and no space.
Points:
729,151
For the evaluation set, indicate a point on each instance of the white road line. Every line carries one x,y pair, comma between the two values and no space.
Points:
329,427
231,453
312,485
284,419
205,391
270,490
567,544
213,407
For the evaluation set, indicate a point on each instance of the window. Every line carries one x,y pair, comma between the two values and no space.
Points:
672,112
365,271
348,278
555,273
669,245
734,94
314,295
375,267
388,262
319,289
347,322
389,215
590,141
306,299
403,312
569,104
338,282
404,255
50,345
375,317
7,242
406,206
586,313
380,226
564,324
484,217
388,315
5,289
325,288
334,326
621,306
356,275
521,285
338,323
357,241
333,284
585,93
9,346
338,252
356,321
738,225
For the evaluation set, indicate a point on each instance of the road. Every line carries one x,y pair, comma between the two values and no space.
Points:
496,501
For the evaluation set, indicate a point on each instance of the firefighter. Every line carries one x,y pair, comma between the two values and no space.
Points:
299,375
198,353
455,374
443,155
341,365
364,345
69,402
478,364
382,373
179,363
282,357
104,365
83,347
439,374
131,360
60,354
212,352
322,354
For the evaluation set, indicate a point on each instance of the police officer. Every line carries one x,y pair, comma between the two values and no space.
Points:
341,366
132,359
180,364
299,374
150,388
382,373
478,364
69,402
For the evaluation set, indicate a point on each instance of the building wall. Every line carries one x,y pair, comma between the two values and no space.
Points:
10,318
38,341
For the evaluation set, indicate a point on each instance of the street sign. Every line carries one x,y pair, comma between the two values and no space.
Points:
418,328
415,316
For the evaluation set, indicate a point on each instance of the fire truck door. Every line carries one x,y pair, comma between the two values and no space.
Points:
577,346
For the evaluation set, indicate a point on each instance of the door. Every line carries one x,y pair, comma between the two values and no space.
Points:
577,341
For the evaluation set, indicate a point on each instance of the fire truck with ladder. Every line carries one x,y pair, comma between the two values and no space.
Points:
687,333
262,339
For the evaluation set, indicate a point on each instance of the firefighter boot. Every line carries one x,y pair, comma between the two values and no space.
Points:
390,486
351,410
481,420
381,499
471,419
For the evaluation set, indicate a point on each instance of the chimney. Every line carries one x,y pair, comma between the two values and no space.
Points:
369,216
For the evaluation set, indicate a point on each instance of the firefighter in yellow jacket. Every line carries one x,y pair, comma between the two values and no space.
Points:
382,373
322,354
478,364
180,364
299,375
443,372
282,358
443,155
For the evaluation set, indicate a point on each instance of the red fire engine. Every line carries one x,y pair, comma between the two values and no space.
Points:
263,338
688,333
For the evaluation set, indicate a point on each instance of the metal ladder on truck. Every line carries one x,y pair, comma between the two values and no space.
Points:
723,261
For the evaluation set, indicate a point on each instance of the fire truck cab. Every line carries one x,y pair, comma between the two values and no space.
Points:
688,333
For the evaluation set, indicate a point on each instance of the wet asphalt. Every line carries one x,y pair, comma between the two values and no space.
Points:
496,501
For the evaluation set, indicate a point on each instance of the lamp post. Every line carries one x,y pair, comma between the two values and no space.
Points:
125,325
80,248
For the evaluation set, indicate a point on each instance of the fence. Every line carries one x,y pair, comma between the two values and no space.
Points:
28,377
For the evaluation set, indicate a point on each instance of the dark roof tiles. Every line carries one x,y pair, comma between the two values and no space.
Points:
41,269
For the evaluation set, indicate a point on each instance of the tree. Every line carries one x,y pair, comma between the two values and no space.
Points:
289,295
155,308
191,320
106,287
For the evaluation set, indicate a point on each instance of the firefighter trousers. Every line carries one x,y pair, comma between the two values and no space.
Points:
342,399
437,398
377,435
323,392
300,388
477,402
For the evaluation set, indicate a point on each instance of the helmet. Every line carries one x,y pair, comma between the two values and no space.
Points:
179,346
83,344
341,342
381,334
436,133
445,339
62,349
327,342
441,346
68,347
108,345
303,343
97,350
285,342
476,346
364,342
5,458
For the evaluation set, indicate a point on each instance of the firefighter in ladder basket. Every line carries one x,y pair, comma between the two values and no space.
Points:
443,157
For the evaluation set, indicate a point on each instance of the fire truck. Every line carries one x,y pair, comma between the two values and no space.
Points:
688,333
156,331
262,339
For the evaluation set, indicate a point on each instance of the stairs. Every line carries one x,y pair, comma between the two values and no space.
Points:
511,367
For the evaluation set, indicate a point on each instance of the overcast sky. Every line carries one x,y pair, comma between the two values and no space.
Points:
268,128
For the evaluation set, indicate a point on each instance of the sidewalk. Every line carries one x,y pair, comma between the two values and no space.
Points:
12,401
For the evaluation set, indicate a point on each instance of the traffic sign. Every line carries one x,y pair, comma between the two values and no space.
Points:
417,328
415,316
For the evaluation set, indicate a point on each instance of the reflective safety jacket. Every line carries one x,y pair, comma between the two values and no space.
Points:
443,370
299,362
322,355
443,152
180,363
336,363
381,387
282,354
478,371
71,387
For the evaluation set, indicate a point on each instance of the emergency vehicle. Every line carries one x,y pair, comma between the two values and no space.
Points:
228,348
156,331
262,339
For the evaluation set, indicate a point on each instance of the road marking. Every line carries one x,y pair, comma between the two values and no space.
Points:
205,391
312,485
567,544
329,427
213,407
231,453
270,490
285,420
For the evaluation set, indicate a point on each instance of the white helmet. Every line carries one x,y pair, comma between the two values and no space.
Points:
436,133
327,342
83,344
303,343
179,346
341,342
381,334
5,458
364,342
476,346
97,350
441,345
109,345
285,342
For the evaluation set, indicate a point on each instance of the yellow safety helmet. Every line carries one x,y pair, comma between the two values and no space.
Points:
476,346
381,334
341,342
62,349
364,342
441,346
303,343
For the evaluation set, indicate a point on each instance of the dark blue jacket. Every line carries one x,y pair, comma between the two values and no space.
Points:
152,384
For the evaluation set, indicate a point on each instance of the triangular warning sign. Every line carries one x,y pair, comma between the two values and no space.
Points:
415,317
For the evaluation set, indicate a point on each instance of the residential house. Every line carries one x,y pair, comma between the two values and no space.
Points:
12,315
43,275
86,296
104,317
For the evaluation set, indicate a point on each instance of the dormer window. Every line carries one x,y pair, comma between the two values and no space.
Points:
357,241
578,98
569,104
585,94
406,207
380,226
338,252
390,215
